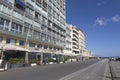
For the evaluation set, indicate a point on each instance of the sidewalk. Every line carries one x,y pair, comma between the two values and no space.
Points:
115,68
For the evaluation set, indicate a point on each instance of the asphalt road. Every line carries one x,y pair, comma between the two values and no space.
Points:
96,71
88,70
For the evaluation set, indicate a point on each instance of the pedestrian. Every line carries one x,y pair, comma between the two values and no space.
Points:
44,61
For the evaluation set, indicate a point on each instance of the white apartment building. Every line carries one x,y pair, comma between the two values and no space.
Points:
78,41
33,26
68,40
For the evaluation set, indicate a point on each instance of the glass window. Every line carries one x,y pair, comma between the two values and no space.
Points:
1,38
32,44
43,37
45,47
39,46
21,43
39,1
7,23
54,12
48,38
20,28
43,28
10,41
44,5
49,9
36,15
50,48
26,29
55,48
1,21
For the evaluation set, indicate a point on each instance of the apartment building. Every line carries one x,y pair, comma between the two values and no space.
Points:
78,41
82,44
68,40
32,26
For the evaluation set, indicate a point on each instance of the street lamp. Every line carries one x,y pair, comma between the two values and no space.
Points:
26,40
1,54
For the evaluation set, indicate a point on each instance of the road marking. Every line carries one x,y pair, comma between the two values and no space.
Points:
80,71
106,70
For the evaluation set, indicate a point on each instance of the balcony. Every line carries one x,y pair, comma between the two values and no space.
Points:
30,2
75,42
74,38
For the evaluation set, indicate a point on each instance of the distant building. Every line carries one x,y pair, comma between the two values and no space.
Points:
78,41
75,41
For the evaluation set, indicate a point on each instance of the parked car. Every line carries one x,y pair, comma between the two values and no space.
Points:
117,59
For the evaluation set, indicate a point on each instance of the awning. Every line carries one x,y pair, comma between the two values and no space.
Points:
19,2
36,51
13,47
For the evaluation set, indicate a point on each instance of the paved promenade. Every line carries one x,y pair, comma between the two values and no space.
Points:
115,68
87,70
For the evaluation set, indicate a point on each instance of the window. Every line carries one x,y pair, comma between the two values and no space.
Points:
39,1
36,15
54,12
32,44
55,48
43,28
39,46
44,20
11,41
36,34
50,1
1,38
16,28
48,38
45,47
49,9
20,28
49,23
44,6
50,48
43,37
1,21
29,11
7,23
21,43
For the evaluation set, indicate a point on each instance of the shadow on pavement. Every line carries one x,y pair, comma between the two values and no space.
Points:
109,77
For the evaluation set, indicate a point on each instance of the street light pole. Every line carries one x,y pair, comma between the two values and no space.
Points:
26,41
1,53
41,57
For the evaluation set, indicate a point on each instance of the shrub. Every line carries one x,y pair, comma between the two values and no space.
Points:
50,60
33,61
16,60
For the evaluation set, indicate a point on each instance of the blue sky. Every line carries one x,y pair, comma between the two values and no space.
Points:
100,21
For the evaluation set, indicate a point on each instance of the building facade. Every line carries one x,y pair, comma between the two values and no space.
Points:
68,40
82,42
78,41
35,25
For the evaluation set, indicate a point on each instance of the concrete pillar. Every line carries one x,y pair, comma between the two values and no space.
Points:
41,58
26,57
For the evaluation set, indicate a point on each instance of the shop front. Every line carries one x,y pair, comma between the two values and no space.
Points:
13,55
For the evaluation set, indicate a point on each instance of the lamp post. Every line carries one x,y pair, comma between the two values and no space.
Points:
26,41
41,57
1,53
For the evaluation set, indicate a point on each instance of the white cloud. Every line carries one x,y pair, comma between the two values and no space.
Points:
101,21
116,18
101,3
